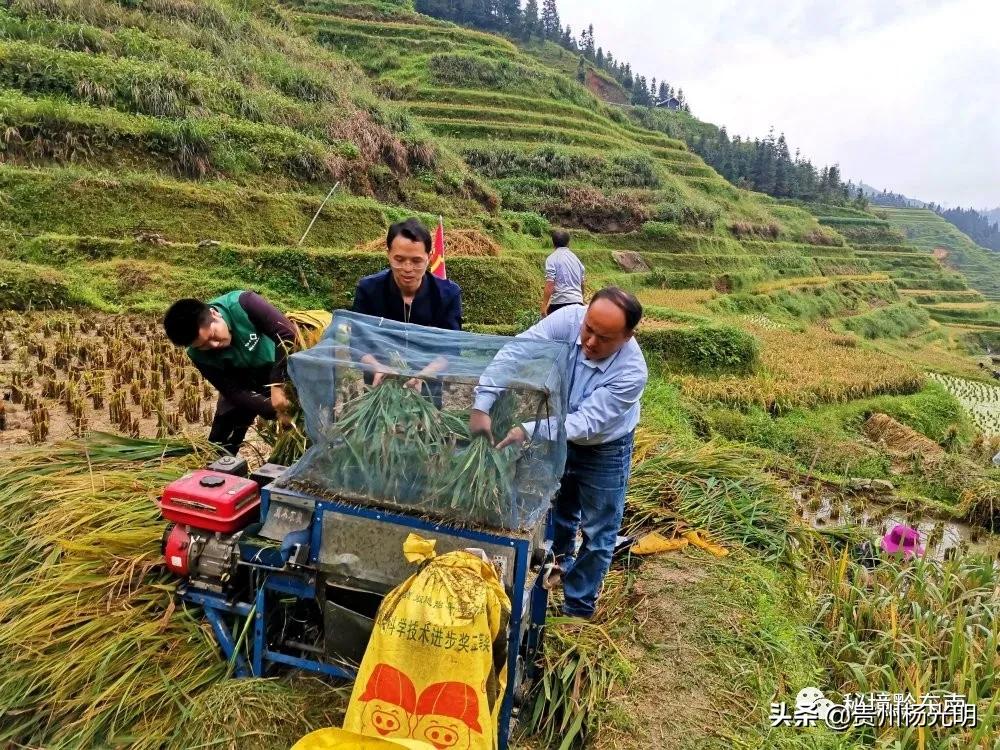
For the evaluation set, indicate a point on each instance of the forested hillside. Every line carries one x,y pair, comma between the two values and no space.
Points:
979,227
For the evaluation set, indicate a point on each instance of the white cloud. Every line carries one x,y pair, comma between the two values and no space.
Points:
904,94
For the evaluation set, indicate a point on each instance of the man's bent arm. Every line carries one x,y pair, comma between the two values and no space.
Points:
490,386
271,322
236,393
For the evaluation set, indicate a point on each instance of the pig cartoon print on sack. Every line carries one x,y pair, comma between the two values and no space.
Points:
390,701
447,714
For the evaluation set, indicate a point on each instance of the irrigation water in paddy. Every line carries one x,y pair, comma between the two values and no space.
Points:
941,537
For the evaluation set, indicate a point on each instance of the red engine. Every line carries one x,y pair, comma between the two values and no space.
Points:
211,500
209,509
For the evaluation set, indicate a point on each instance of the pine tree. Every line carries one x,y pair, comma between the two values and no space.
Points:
680,98
640,92
508,16
627,80
581,70
782,168
587,42
551,27
530,22
652,89
600,58
476,13
567,39
663,94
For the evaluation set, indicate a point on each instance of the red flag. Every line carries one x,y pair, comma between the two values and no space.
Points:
437,255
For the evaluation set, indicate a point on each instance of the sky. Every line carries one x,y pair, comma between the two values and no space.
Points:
903,94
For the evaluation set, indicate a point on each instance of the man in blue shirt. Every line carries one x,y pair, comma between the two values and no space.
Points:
607,377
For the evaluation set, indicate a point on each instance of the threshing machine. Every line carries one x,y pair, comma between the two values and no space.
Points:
290,564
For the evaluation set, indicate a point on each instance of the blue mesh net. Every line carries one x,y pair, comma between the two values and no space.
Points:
405,443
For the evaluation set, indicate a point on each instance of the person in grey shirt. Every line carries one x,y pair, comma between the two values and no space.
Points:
563,276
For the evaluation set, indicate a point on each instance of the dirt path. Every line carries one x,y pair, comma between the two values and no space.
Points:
671,700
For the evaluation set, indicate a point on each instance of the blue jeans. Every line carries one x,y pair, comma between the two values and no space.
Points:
592,497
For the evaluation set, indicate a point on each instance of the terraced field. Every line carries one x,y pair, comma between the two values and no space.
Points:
144,138
926,230
981,400
545,142
180,147
204,124
126,131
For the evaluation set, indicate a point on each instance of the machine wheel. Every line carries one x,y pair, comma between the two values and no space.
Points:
522,688
163,539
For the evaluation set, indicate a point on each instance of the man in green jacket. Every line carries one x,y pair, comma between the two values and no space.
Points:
240,343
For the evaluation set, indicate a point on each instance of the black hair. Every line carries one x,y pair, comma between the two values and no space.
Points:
413,230
626,302
184,320
560,238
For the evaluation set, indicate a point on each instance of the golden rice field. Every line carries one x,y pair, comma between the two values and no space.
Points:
63,375
806,369
961,306
809,281
940,356
686,300
97,653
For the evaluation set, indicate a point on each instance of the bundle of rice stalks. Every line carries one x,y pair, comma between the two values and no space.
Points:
478,483
392,438
582,666
266,714
899,439
288,443
467,242
646,443
714,487
391,410
394,446
980,503
503,415
93,653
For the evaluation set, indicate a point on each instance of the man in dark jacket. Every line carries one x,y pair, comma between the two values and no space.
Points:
239,342
407,293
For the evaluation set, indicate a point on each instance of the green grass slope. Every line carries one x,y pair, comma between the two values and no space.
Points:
928,231
150,136
193,123
213,122
545,143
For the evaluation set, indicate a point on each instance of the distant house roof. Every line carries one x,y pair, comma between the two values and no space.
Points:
669,103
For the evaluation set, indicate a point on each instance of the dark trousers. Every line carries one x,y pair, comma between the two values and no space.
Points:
230,425
552,308
591,499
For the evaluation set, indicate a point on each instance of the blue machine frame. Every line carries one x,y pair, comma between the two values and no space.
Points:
532,606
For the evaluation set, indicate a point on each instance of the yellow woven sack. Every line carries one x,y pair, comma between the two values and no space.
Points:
341,739
436,666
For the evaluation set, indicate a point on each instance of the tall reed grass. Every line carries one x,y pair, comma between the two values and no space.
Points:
919,628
